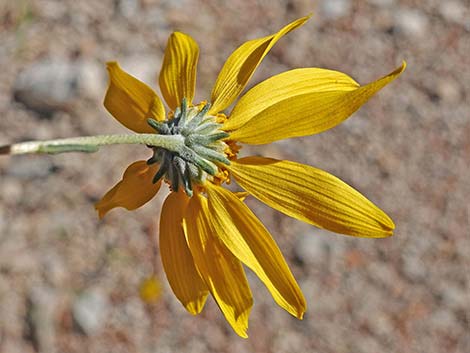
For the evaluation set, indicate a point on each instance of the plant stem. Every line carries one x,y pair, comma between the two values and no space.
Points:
92,143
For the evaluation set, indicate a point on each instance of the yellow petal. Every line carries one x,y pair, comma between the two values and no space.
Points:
178,73
242,195
222,272
241,65
311,195
285,86
134,190
246,237
131,101
300,108
177,260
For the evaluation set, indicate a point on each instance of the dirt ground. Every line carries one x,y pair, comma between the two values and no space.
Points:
70,282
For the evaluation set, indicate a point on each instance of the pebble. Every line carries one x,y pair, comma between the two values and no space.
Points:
30,168
90,310
311,249
335,9
128,8
41,317
442,319
455,297
47,86
382,3
414,268
449,90
453,11
411,22
91,79
53,85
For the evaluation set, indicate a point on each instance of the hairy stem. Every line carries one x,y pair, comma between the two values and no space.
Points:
92,143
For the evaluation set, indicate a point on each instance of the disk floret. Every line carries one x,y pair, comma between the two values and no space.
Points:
200,155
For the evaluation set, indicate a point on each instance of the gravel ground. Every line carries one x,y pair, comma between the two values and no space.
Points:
70,282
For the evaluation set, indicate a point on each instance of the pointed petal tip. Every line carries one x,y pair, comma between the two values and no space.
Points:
111,65
403,65
400,69
100,209
193,309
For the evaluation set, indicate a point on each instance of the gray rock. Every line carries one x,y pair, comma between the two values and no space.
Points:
334,9
128,8
413,267
47,86
311,249
449,90
41,318
91,79
453,11
442,319
54,84
455,297
411,22
382,3
30,168
90,309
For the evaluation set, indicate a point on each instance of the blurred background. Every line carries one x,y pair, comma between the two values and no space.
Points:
70,282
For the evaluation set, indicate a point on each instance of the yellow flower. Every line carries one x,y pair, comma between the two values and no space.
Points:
206,231
150,290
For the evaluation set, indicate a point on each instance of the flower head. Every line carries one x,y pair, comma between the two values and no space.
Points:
206,231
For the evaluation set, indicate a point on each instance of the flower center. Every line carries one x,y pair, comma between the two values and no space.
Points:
202,152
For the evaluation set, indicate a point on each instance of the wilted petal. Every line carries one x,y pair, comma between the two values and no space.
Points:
134,190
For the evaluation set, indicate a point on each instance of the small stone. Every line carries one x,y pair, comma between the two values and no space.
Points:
41,318
411,22
442,319
90,310
452,11
30,168
449,90
128,8
311,249
335,9
47,86
413,267
455,297
91,79
382,3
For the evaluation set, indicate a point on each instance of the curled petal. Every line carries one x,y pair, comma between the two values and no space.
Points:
178,73
299,103
131,101
246,237
311,195
177,260
134,190
241,65
222,272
